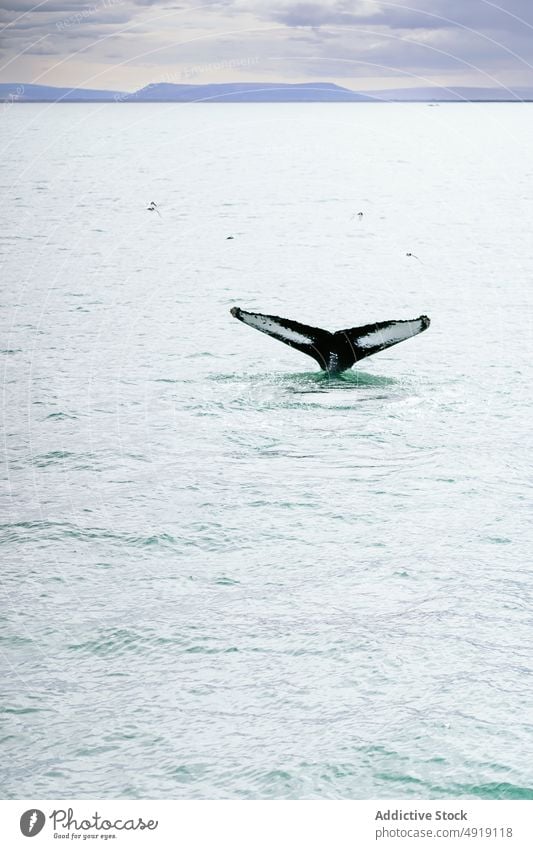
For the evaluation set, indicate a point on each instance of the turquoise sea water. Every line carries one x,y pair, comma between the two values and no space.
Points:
224,575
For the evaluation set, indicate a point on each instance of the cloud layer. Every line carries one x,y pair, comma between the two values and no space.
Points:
365,44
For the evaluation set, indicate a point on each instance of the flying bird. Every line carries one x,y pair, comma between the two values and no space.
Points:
153,208
414,256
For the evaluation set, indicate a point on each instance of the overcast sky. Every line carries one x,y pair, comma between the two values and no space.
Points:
363,44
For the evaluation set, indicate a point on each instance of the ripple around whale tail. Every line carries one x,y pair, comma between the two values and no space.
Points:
356,378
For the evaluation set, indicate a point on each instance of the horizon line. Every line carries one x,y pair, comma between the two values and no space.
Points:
18,92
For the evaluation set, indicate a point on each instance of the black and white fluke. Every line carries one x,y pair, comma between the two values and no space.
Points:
334,352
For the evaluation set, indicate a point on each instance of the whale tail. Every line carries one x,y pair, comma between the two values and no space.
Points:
334,352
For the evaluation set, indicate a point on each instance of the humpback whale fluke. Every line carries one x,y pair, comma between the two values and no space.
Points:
334,352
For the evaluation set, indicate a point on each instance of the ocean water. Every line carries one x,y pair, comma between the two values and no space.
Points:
225,575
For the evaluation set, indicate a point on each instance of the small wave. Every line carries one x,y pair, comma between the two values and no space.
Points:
493,790
112,642
20,711
60,415
52,457
200,355
21,531
118,641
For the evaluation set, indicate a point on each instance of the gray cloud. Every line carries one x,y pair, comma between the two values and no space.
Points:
335,39
20,6
437,36
424,14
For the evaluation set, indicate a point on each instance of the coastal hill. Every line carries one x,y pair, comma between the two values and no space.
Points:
249,93
29,93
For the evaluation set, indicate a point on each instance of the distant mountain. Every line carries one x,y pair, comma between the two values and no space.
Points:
318,92
248,93
28,93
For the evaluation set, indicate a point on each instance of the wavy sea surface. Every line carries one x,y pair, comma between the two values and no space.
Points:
224,575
